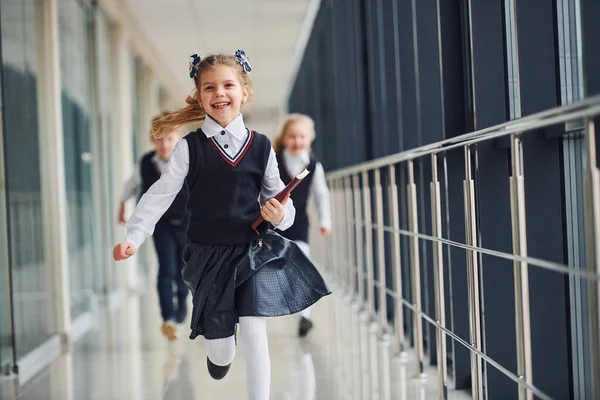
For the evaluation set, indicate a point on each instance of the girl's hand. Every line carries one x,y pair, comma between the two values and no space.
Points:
273,210
325,231
123,251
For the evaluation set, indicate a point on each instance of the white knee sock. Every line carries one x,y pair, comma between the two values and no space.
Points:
306,250
221,351
305,313
308,384
253,339
304,247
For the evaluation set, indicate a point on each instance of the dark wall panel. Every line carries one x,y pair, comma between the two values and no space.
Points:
490,103
539,89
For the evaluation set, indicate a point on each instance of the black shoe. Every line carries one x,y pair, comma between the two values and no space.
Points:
216,371
305,326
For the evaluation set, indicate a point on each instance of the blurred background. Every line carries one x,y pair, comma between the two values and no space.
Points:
459,143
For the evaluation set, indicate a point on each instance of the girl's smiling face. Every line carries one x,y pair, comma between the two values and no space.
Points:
222,93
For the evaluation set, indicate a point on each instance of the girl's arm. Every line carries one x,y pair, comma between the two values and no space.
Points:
159,197
131,186
271,185
130,189
320,193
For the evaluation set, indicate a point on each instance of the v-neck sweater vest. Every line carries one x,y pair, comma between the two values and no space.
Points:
298,231
223,191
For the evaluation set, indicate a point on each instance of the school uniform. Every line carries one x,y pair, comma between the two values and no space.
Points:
312,187
231,271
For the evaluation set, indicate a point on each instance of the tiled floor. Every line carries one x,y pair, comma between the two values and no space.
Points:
126,358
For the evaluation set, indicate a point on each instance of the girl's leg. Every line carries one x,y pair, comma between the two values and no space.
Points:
253,338
221,352
305,313
166,251
305,322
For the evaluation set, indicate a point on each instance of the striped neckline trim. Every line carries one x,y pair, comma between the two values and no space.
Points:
237,158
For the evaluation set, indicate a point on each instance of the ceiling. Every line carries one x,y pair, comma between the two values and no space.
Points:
267,30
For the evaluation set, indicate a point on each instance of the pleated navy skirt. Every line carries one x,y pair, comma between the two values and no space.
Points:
269,277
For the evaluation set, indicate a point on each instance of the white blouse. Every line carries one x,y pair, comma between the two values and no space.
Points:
318,190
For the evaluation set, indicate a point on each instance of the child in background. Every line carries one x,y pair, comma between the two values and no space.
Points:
170,231
292,147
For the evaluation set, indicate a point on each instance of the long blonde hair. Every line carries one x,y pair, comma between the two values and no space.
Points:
194,112
291,119
160,115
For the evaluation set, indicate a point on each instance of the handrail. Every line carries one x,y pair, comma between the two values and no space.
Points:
586,108
360,200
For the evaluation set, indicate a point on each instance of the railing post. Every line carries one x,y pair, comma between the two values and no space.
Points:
363,317
350,236
592,210
339,237
384,338
342,236
380,251
368,244
372,327
415,264
350,306
396,260
438,270
335,320
358,228
473,278
521,269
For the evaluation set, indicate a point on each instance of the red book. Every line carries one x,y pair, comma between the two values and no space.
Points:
279,197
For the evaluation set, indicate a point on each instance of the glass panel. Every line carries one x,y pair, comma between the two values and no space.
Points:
6,330
135,105
77,112
103,154
31,280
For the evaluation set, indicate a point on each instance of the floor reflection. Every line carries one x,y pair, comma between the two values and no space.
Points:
125,357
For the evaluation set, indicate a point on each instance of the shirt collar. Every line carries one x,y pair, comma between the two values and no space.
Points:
157,159
210,127
304,158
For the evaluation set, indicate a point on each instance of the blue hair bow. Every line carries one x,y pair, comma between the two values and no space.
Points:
243,60
195,60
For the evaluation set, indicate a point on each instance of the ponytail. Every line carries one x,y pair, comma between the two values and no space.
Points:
191,113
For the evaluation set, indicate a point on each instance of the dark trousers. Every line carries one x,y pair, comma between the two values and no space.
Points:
169,240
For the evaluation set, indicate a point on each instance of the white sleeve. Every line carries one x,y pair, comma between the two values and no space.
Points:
159,197
131,186
271,185
320,193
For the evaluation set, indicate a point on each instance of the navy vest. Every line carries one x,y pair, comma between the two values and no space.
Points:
176,213
223,190
299,230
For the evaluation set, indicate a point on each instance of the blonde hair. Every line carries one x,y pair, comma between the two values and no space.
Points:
290,120
194,112
162,114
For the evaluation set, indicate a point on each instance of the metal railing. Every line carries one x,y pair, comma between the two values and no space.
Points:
367,243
